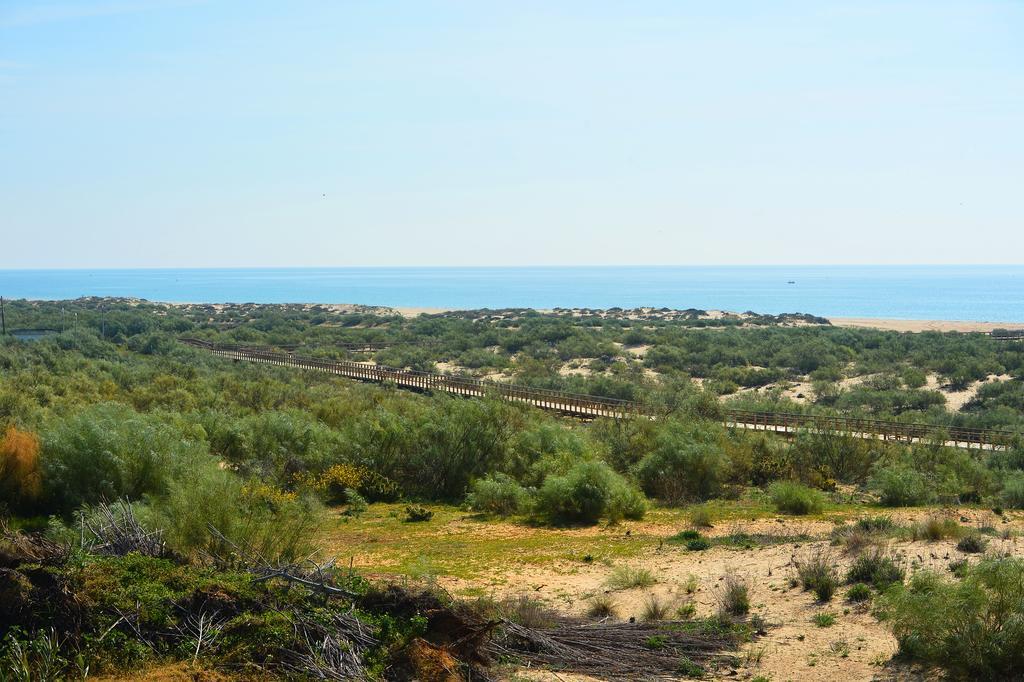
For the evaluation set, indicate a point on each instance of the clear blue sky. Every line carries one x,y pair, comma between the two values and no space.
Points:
175,133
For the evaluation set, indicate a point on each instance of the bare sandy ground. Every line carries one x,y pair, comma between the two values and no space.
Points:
922,325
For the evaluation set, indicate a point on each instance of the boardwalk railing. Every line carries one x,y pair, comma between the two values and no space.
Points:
1007,334
590,406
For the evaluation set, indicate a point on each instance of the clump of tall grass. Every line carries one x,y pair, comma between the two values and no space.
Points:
793,498
935,528
817,573
628,577
875,568
734,597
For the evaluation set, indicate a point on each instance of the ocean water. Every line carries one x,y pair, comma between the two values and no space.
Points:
976,293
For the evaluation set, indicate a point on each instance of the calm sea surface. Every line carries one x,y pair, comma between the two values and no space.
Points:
979,293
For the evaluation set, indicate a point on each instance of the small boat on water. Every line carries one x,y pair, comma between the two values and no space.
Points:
790,282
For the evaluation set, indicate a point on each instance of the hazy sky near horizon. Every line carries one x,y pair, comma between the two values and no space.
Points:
215,133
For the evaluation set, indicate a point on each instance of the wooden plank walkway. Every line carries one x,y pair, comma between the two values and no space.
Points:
591,407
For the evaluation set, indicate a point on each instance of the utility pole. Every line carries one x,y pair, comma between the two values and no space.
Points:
3,319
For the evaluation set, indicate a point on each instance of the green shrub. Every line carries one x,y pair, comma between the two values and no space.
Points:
858,592
817,573
698,544
973,628
276,525
972,543
108,452
587,492
498,494
794,498
901,486
824,619
734,597
687,463
1013,490
876,569
416,513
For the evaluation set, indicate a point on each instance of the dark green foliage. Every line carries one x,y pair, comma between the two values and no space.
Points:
901,486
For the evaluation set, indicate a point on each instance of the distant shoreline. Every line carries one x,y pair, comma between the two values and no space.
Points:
922,325
857,322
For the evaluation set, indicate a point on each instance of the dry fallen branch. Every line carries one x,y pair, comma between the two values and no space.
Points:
115,531
307,572
613,650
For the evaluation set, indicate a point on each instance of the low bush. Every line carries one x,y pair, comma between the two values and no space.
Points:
858,592
973,628
824,619
589,491
498,494
686,463
901,486
698,544
734,597
817,573
701,517
973,543
875,568
794,498
415,513
1013,491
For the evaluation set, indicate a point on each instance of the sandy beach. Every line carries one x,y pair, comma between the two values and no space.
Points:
923,325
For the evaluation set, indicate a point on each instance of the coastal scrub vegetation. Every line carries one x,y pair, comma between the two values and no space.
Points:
227,459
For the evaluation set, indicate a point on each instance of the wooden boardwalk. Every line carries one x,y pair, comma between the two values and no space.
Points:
591,407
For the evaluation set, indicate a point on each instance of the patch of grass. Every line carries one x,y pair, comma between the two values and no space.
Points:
628,577
686,610
654,609
935,528
684,536
734,597
859,592
794,498
876,569
416,513
752,540
824,619
973,543
701,517
689,668
817,573
698,544
602,606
